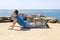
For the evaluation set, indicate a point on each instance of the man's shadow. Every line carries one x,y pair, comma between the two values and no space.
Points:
28,28
22,29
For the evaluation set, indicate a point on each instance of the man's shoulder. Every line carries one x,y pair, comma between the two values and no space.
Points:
15,15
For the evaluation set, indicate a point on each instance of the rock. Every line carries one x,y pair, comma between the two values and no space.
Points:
53,21
39,15
37,19
50,19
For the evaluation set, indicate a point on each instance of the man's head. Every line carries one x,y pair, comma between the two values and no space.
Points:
15,12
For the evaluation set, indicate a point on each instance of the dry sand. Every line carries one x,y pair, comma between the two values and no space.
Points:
33,34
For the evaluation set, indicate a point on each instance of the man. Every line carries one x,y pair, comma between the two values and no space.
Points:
20,21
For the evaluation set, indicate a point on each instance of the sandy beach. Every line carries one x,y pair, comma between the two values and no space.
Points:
53,33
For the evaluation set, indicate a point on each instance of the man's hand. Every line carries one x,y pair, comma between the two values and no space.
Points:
11,27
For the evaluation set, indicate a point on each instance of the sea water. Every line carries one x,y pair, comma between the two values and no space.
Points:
47,12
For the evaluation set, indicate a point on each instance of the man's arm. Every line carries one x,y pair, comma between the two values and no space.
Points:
12,26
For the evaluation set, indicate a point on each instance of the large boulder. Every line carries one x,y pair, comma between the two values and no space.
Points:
50,19
53,21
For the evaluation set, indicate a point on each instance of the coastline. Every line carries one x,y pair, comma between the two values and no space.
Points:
47,12
31,18
51,33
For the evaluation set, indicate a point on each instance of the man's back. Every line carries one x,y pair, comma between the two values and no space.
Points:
19,20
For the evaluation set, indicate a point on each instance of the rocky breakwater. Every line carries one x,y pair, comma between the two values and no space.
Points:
5,19
40,17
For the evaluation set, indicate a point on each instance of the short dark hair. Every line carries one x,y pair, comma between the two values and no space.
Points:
16,11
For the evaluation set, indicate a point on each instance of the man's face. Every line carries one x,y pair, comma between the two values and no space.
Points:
14,12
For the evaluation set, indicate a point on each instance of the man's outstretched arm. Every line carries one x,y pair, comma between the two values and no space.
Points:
13,24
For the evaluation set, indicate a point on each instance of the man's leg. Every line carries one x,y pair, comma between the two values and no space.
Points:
42,24
30,25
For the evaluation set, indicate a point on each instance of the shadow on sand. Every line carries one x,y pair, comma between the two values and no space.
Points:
28,28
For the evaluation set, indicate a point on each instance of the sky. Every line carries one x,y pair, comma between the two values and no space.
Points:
29,4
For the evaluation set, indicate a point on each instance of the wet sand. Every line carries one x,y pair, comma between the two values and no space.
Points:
53,33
